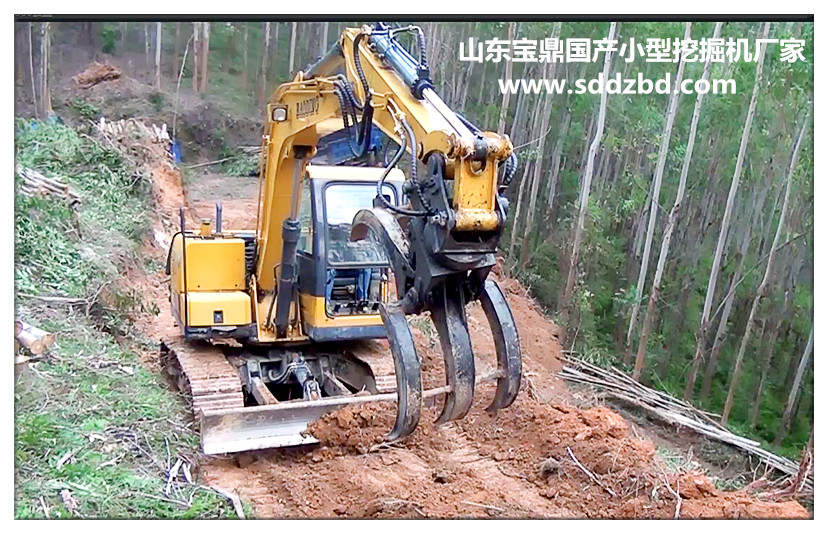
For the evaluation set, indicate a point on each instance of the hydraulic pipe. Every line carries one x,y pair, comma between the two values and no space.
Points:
291,230
402,62
326,64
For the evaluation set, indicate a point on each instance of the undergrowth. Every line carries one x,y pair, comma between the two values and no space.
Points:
89,417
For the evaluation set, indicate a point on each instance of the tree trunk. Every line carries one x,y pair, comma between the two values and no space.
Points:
157,56
669,119
585,185
196,53
763,373
231,49
32,71
518,125
123,28
516,221
204,56
555,168
760,292
292,55
504,101
263,76
785,424
178,87
147,45
323,43
45,92
541,131
245,71
721,332
671,220
481,87
704,324
176,50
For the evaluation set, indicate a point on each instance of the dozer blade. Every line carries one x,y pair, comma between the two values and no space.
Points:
407,370
258,427
448,312
286,424
507,344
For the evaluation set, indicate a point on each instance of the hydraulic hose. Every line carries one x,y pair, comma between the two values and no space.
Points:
381,183
413,172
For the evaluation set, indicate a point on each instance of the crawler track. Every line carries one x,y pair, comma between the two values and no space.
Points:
204,373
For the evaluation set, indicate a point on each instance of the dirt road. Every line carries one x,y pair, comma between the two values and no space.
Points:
542,457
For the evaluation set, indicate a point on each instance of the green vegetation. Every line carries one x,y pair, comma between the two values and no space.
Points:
86,110
242,165
90,417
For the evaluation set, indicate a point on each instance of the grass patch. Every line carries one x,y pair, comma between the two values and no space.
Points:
114,424
90,418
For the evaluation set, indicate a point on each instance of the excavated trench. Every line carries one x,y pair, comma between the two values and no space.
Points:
542,457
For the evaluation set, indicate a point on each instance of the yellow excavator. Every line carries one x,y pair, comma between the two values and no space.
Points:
350,239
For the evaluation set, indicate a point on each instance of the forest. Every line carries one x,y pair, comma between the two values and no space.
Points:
668,234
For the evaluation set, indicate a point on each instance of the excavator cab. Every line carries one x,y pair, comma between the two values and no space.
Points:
342,283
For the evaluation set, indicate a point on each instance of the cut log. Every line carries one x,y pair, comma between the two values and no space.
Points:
34,339
36,183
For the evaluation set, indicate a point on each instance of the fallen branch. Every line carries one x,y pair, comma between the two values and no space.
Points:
486,506
172,475
677,412
589,473
676,493
237,505
207,164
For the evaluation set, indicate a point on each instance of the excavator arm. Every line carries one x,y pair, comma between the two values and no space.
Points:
441,243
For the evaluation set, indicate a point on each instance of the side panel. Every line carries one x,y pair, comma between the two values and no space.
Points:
215,279
212,264
217,308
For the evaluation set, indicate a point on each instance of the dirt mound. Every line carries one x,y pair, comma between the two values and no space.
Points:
563,460
95,74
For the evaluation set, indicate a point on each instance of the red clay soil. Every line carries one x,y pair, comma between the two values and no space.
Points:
542,457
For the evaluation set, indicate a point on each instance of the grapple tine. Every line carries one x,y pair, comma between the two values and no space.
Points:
449,315
507,344
407,370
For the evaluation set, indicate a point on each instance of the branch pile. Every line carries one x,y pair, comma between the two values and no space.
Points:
95,74
34,183
616,384
148,144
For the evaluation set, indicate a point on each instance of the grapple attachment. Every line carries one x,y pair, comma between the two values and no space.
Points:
442,283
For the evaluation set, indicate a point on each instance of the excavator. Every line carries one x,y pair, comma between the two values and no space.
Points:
350,239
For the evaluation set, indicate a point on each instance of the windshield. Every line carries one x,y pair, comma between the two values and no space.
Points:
342,202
